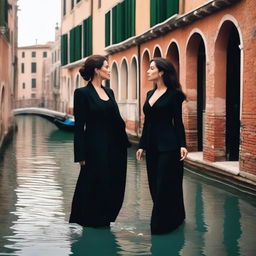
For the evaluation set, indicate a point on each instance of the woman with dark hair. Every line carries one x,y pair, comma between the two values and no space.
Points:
100,147
163,139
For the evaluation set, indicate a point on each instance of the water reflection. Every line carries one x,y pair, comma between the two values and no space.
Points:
37,180
232,227
95,242
169,244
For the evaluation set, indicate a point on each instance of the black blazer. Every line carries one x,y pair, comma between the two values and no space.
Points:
163,127
90,134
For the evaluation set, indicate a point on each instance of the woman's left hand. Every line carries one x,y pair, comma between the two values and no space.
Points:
183,153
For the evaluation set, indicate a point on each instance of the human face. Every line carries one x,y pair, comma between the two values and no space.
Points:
153,72
104,71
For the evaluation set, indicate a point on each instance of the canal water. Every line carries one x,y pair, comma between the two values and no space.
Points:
37,180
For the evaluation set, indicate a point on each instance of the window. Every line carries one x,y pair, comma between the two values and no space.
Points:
33,95
33,54
44,54
23,85
33,83
4,7
23,54
160,10
64,49
87,36
99,4
78,1
72,4
64,7
122,18
22,68
75,43
33,67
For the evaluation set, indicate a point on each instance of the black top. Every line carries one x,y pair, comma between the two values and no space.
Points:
98,123
163,127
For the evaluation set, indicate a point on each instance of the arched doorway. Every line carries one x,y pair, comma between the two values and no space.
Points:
124,80
196,85
157,52
133,80
114,80
145,84
227,87
200,95
173,56
233,96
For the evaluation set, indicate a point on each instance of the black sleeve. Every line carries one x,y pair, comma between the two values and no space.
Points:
79,134
178,123
143,138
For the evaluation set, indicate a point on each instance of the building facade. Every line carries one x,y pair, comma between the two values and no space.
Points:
34,76
8,65
212,45
54,93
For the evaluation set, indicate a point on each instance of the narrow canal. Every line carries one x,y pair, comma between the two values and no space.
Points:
37,179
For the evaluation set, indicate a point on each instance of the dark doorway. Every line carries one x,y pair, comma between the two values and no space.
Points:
200,94
233,97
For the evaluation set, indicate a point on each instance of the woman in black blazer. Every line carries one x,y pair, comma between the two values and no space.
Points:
100,146
163,139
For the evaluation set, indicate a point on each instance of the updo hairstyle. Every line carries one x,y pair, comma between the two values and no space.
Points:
87,71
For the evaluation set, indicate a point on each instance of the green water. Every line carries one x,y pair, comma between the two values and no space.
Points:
37,179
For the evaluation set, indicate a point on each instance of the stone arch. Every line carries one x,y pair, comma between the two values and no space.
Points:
145,84
173,55
134,79
196,90
114,79
227,90
124,80
157,51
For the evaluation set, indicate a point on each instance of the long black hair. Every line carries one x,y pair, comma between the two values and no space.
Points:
170,76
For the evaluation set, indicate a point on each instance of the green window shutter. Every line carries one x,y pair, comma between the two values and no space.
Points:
172,7
153,12
72,45
107,29
87,36
64,52
133,17
121,23
90,36
78,42
114,25
161,10
126,28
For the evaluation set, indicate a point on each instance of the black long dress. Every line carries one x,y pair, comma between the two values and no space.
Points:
99,140
162,136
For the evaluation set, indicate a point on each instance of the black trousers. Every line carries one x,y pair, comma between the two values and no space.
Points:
165,176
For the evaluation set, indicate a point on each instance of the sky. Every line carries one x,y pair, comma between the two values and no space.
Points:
37,20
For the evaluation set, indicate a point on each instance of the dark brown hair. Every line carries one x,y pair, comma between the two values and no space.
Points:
170,76
87,71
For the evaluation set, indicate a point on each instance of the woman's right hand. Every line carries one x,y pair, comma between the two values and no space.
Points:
139,154
82,163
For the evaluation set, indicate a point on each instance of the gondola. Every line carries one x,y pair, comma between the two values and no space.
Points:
66,124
